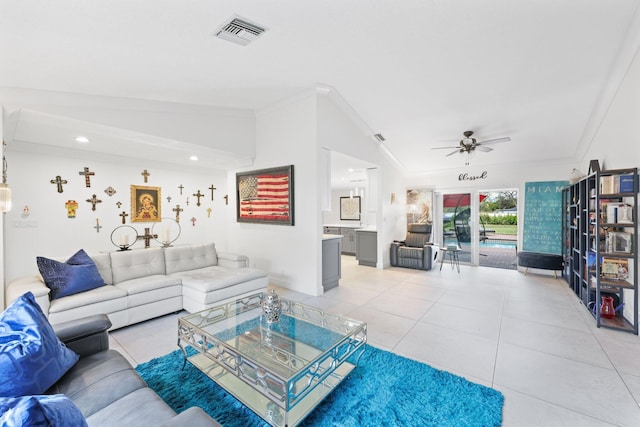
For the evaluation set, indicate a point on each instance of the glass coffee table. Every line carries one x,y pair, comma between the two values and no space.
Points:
280,370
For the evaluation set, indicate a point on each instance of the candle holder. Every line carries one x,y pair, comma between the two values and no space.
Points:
123,237
168,227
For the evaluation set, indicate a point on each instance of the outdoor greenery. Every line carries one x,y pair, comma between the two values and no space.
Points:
505,224
499,219
499,201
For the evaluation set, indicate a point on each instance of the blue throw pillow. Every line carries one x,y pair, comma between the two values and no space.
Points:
32,358
78,274
35,411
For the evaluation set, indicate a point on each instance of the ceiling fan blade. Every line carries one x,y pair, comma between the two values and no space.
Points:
495,141
444,148
483,148
453,152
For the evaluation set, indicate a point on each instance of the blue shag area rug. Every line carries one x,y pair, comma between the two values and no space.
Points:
383,390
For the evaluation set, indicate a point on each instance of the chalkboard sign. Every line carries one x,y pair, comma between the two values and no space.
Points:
543,216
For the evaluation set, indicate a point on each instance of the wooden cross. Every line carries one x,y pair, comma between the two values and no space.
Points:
180,187
118,204
58,181
209,212
124,215
145,174
93,202
147,236
97,226
169,199
87,176
226,199
212,188
177,210
198,195
110,191
187,201
193,221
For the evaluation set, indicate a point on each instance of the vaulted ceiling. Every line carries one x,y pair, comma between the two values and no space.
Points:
420,72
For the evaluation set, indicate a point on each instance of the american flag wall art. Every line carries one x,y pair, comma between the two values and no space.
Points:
266,196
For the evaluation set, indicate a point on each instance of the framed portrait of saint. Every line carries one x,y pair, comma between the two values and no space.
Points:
145,204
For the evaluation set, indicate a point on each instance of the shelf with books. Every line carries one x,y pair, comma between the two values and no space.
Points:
616,249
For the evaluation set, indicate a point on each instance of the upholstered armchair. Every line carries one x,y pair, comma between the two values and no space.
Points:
416,251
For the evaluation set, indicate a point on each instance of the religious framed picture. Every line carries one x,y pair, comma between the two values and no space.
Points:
145,204
265,196
350,208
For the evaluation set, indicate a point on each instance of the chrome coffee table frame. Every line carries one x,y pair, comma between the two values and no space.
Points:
280,376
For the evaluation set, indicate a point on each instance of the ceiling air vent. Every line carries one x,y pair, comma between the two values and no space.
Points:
239,30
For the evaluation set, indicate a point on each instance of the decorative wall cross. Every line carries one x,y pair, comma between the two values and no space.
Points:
193,221
145,174
187,201
110,191
87,176
177,210
169,199
198,195
180,187
147,236
118,204
97,226
212,188
209,212
124,216
93,202
59,181
71,206
226,199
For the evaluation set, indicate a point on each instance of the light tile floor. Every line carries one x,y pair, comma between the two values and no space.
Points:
527,336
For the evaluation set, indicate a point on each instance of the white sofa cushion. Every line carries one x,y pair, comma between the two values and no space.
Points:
127,265
103,262
101,294
213,278
145,290
190,257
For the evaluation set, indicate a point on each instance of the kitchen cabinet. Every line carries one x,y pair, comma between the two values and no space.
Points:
331,261
367,247
348,237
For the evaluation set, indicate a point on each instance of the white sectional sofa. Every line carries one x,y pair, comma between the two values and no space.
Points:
145,283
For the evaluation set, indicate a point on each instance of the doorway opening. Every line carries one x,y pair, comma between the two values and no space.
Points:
486,231
498,222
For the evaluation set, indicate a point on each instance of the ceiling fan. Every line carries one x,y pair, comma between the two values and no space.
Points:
468,145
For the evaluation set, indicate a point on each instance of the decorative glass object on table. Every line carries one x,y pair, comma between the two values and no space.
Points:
169,231
125,235
271,306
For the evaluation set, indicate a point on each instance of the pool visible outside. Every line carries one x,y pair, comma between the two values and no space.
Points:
486,244
498,244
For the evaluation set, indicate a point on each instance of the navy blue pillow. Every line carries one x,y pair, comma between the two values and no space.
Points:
78,274
35,411
32,358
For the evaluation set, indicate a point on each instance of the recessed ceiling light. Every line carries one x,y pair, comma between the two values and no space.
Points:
351,170
194,158
82,139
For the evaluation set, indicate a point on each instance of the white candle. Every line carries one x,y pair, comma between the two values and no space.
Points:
124,240
165,235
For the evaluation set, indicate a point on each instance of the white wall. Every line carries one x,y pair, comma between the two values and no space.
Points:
52,234
497,176
286,135
616,144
